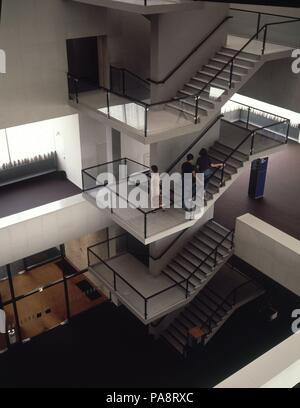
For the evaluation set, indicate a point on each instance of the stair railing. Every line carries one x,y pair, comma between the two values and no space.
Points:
212,255
230,300
250,136
229,64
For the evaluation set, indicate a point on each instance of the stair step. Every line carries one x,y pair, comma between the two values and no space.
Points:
195,281
180,327
243,55
223,77
219,63
217,237
184,109
227,151
216,298
199,255
177,334
193,319
232,166
224,57
198,314
216,148
215,181
225,73
223,231
207,250
204,101
206,238
211,309
206,312
223,157
187,254
177,278
203,81
173,342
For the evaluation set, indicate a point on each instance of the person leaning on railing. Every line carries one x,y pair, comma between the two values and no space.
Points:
205,165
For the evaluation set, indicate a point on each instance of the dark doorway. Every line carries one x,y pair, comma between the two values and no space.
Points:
83,62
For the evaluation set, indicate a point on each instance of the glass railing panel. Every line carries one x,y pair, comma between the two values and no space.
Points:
132,113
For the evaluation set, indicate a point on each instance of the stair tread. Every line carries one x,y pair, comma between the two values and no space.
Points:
213,152
203,83
243,54
174,342
229,150
219,228
226,72
207,312
222,76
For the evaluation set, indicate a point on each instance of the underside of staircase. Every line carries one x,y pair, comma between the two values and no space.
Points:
211,309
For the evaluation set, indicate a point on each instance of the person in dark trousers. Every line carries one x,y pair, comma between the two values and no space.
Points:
206,166
188,168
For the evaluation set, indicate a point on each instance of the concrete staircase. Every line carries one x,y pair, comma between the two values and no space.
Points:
244,66
201,257
211,308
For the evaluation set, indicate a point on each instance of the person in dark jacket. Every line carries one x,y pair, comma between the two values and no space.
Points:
206,166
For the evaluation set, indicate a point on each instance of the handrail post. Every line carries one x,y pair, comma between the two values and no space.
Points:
258,25
146,309
187,289
196,109
287,132
123,82
145,226
252,143
107,102
115,282
146,121
265,40
248,117
232,239
215,257
231,74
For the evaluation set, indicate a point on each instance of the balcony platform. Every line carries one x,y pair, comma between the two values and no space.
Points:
35,192
153,6
138,276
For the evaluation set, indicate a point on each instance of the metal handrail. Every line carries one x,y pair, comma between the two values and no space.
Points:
251,134
226,300
195,49
263,13
213,252
145,81
197,95
260,110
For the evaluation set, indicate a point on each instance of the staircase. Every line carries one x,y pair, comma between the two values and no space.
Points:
201,257
245,65
218,153
211,308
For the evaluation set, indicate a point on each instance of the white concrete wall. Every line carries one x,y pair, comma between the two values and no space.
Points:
278,368
41,228
269,250
95,140
132,149
174,36
129,41
33,35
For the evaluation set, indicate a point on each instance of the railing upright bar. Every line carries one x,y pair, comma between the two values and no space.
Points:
196,109
146,121
145,226
258,25
248,117
107,102
252,143
287,131
265,40
231,74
